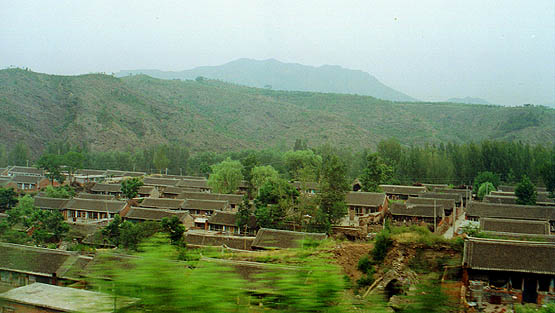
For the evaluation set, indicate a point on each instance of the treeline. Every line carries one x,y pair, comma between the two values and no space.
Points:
444,163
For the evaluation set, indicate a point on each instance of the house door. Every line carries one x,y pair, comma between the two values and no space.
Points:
530,293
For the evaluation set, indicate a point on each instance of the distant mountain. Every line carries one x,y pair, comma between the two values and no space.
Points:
106,113
273,74
468,100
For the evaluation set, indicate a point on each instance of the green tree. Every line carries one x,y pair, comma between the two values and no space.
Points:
22,211
375,173
8,198
57,192
226,176
262,174
160,159
174,228
20,154
275,199
334,185
485,189
244,212
130,187
525,192
51,164
302,164
49,226
73,161
112,230
249,163
485,177
548,173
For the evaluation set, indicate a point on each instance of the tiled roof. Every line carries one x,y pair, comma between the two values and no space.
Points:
509,256
192,183
50,203
162,203
110,206
373,199
26,170
443,203
510,211
206,204
273,238
113,188
206,239
39,261
514,226
84,195
444,195
146,214
232,198
398,209
403,190
156,181
26,179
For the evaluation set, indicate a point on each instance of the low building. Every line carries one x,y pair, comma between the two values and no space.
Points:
512,226
136,214
52,204
148,192
199,185
161,203
364,203
89,209
23,171
267,238
508,271
398,192
46,298
22,265
27,183
306,187
107,189
160,182
402,214
84,195
477,210
205,207
233,199
448,205
226,222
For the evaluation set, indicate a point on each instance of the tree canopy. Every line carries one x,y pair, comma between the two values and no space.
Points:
226,176
525,192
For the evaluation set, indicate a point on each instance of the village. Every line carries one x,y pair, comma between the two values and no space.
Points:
506,257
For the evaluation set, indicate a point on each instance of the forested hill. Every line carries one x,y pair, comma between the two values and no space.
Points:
120,113
277,75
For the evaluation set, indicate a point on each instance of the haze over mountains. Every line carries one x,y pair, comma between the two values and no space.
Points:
277,75
106,112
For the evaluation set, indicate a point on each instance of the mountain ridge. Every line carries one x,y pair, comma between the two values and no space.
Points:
107,112
286,76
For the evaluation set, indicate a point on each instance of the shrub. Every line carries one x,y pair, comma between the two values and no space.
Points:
364,264
382,245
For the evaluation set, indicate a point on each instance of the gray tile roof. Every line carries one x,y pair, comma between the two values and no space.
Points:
514,226
231,198
93,205
50,203
161,203
146,214
369,199
509,255
403,190
510,211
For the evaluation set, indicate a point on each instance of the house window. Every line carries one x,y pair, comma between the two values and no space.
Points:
4,276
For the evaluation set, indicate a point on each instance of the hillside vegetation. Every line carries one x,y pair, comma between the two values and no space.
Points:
273,74
117,113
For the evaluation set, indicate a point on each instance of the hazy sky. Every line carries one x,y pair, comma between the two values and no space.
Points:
503,51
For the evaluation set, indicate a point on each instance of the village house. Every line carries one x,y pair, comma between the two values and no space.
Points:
205,207
107,189
161,203
199,185
136,214
121,174
477,210
309,188
226,222
89,209
361,204
44,298
458,198
177,176
404,215
509,271
84,195
234,200
160,182
448,205
433,187
513,227
52,204
22,171
148,192
267,238
27,183
22,265
466,194
173,192
397,192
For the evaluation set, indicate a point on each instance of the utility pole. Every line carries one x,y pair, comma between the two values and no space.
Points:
435,216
